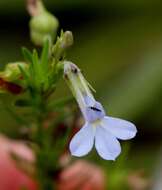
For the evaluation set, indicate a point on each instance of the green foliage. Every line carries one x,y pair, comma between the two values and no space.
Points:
35,110
41,80
42,74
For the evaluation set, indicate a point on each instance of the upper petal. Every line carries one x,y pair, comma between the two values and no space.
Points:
89,101
95,112
108,147
119,128
82,143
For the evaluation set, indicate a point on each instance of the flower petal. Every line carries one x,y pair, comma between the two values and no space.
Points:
83,141
89,101
120,128
108,147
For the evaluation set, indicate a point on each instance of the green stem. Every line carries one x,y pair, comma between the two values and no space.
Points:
43,153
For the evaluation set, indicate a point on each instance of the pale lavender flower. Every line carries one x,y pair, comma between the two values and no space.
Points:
99,130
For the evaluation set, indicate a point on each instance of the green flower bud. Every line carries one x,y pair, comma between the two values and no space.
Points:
42,26
67,40
12,72
63,43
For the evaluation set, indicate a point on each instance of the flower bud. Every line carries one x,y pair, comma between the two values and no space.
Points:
11,78
42,26
9,87
63,43
12,72
67,40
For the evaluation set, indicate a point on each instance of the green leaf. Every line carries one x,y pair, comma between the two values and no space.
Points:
24,73
31,72
35,59
44,56
27,55
57,74
35,70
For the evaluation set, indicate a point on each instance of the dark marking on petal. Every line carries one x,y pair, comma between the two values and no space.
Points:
95,109
66,76
74,69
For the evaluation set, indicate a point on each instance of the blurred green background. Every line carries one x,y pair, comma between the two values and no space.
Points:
118,44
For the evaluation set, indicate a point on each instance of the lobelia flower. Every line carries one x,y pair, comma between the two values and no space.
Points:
99,129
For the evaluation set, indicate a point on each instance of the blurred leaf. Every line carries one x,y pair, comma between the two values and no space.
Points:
44,56
24,73
27,55
136,90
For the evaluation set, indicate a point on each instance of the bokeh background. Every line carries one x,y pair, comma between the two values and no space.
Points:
118,44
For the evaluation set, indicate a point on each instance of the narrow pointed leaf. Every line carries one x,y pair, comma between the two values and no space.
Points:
44,56
27,55
24,73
